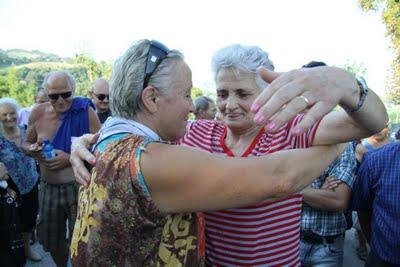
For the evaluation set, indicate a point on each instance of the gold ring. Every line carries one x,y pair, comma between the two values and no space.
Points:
305,100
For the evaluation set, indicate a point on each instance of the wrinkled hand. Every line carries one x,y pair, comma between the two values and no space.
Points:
80,154
60,161
314,91
3,172
331,183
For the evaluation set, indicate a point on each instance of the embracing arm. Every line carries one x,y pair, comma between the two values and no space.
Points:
182,179
342,126
316,92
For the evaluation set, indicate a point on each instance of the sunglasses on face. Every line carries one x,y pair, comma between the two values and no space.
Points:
63,95
157,53
101,97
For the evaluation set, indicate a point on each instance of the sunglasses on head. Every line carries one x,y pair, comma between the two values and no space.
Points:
101,97
157,52
63,95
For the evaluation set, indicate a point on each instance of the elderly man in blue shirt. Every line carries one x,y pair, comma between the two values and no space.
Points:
377,200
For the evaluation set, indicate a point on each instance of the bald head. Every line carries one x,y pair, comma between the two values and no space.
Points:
100,86
100,95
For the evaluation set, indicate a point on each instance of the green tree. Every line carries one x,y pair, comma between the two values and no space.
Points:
93,71
12,86
357,68
19,80
196,92
390,12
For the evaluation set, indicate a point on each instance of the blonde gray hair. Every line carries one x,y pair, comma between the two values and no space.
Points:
126,83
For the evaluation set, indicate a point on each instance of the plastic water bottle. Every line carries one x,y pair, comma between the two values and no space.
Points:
48,150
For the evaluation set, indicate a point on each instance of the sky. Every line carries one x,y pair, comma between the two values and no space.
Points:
292,32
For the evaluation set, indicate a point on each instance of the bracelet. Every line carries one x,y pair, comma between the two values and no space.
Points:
363,94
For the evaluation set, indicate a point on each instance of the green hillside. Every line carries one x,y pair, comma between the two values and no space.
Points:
22,71
15,57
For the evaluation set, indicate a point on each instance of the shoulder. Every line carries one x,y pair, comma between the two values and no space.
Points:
81,102
206,125
39,110
384,153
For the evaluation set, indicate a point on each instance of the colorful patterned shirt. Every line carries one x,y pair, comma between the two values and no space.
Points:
118,224
21,168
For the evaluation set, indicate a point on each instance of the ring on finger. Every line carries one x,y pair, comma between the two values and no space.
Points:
305,100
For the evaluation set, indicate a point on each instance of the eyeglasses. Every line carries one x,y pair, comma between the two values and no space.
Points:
157,53
63,95
101,97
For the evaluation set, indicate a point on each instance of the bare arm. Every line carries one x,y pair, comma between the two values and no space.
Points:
182,179
342,126
335,200
30,145
94,122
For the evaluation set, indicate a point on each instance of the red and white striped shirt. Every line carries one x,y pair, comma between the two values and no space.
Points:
261,235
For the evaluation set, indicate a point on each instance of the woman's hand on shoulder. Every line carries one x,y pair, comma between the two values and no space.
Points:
79,154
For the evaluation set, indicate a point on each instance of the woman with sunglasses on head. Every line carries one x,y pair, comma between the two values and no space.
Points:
27,183
137,179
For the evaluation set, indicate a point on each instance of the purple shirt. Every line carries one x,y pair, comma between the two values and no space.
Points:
75,123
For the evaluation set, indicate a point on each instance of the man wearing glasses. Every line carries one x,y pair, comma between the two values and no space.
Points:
59,121
100,96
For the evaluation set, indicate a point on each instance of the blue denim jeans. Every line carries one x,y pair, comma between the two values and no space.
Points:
322,255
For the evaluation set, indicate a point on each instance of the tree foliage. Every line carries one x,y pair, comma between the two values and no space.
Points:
390,10
19,81
196,92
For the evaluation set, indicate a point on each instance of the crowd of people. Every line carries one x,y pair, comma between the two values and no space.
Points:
268,175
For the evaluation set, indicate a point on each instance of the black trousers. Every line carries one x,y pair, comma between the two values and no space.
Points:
374,261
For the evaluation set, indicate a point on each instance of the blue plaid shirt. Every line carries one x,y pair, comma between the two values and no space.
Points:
326,223
377,189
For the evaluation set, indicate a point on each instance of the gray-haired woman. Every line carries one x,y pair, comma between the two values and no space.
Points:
25,181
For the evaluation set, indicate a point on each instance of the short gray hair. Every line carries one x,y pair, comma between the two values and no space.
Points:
201,103
126,83
241,57
66,74
10,101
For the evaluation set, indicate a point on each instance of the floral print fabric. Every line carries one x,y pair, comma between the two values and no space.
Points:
22,168
118,224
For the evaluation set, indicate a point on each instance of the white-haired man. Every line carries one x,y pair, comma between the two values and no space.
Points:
59,120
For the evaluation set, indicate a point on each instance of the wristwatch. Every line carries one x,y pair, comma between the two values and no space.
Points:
363,92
